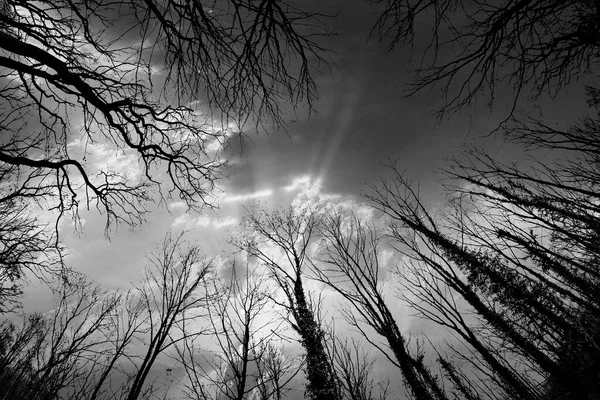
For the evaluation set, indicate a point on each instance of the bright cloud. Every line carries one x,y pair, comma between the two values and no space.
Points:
224,222
311,195
301,182
187,221
177,205
105,157
113,160
236,198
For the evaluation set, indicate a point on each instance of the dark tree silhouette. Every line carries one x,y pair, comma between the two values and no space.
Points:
510,265
354,370
171,295
93,338
290,233
351,253
275,371
25,247
517,247
531,46
234,322
244,364
19,344
129,77
60,353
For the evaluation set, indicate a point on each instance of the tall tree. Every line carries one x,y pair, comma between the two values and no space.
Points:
100,345
280,242
58,354
244,362
516,247
26,247
351,266
276,371
171,295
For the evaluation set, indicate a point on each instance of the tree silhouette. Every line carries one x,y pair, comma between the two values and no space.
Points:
94,338
155,82
246,363
290,233
60,354
516,247
354,370
351,257
171,295
26,246
532,47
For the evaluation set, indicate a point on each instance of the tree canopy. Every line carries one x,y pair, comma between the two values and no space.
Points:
505,267
161,85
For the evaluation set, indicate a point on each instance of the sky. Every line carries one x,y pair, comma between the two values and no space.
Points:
360,122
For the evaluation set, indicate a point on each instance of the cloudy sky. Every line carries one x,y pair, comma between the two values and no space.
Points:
361,120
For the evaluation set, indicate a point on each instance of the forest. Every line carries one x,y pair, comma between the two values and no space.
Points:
121,115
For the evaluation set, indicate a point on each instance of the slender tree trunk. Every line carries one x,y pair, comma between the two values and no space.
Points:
322,384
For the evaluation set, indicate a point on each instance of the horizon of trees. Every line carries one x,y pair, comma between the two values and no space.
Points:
507,268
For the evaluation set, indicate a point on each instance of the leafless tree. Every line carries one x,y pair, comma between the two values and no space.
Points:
93,337
59,353
354,370
351,257
531,46
464,387
130,77
242,332
20,342
119,335
25,247
276,371
290,233
514,247
431,298
171,294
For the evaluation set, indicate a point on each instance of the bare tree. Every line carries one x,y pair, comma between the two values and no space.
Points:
241,332
59,353
515,247
431,298
119,335
25,247
290,233
20,342
354,370
351,256
275,371
530,46
240,335
93,337
130,76
171,294
463,385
